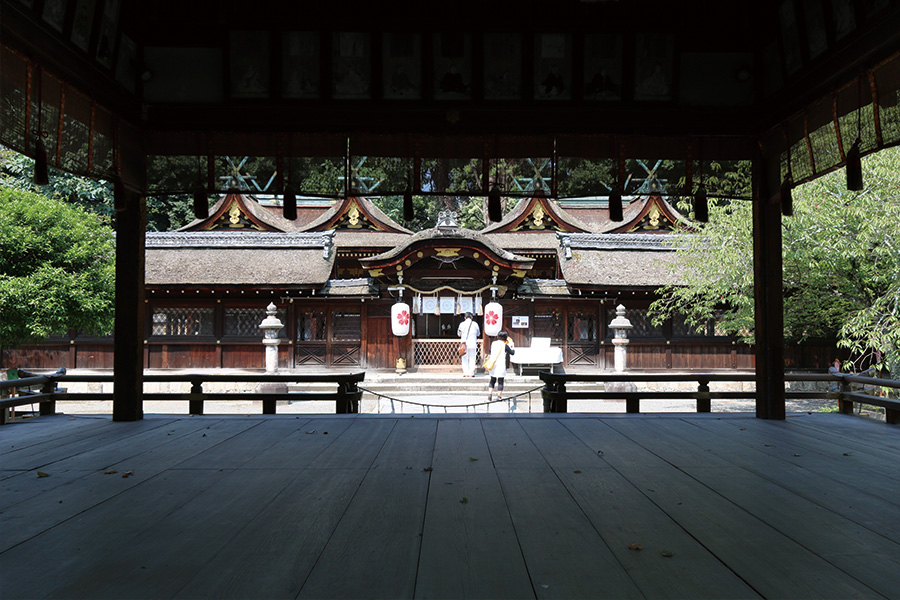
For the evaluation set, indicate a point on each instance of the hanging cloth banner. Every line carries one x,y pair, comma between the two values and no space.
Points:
447,305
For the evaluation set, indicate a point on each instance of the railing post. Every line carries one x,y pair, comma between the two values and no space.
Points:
891,416
558,404
632,405
268,405
47,407
349,401
195,406
845,405
704,403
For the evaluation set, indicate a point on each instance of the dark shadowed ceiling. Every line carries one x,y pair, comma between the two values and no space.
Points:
292,78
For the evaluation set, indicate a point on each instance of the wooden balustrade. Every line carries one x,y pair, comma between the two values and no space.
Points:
556,396
346,397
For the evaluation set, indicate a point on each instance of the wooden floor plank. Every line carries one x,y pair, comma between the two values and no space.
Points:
43,456
844,487
800,439
556,538
363,441
244,446
566,556
26,520
837,539
552,503
559,448
375,548
301,447
96,536
34,431
858,430
510,446
158,562
469,546
864,475
770,562
626,519
273,555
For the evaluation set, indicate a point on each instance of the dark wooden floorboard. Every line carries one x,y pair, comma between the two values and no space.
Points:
855,491
45,455
566,556
157,562
374,550
83,489
96,538
469,545
854,429
768,560
444,506
237,450
273,555
29,432
628,519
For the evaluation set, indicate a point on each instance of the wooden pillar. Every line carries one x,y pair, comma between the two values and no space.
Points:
128,359
768,295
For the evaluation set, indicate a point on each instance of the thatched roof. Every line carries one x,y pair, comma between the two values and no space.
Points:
543,287
228,258
617,260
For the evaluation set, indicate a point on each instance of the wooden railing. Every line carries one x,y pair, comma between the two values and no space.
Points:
22,393
346,398
556,396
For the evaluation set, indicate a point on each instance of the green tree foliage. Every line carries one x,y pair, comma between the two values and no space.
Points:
165,212
841,265
57,269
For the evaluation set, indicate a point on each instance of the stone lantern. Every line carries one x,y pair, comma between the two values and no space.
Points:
620,326
270,326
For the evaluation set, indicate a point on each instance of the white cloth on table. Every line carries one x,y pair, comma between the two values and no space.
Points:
539,353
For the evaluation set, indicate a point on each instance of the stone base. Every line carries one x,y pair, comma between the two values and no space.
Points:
620,386
273,387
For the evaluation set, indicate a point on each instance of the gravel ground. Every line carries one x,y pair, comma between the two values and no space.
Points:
439,404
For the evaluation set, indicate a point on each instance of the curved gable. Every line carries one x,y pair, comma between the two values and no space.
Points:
355,213
233,212
537,214
655,215
437,254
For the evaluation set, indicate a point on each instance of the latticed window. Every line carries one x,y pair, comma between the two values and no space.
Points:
182,322
346,326
641,324
311,326
582,326
548,323
244,322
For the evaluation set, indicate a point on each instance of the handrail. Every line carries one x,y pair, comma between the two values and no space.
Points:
346,398
556,396
26,379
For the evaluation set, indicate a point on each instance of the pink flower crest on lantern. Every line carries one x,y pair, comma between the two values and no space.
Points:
490,318
403,317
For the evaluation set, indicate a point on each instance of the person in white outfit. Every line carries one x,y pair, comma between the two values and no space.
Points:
469,332
499,349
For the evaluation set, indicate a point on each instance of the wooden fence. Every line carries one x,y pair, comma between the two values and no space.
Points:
616,387
346,398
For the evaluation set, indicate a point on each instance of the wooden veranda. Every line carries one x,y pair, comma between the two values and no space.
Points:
543,506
